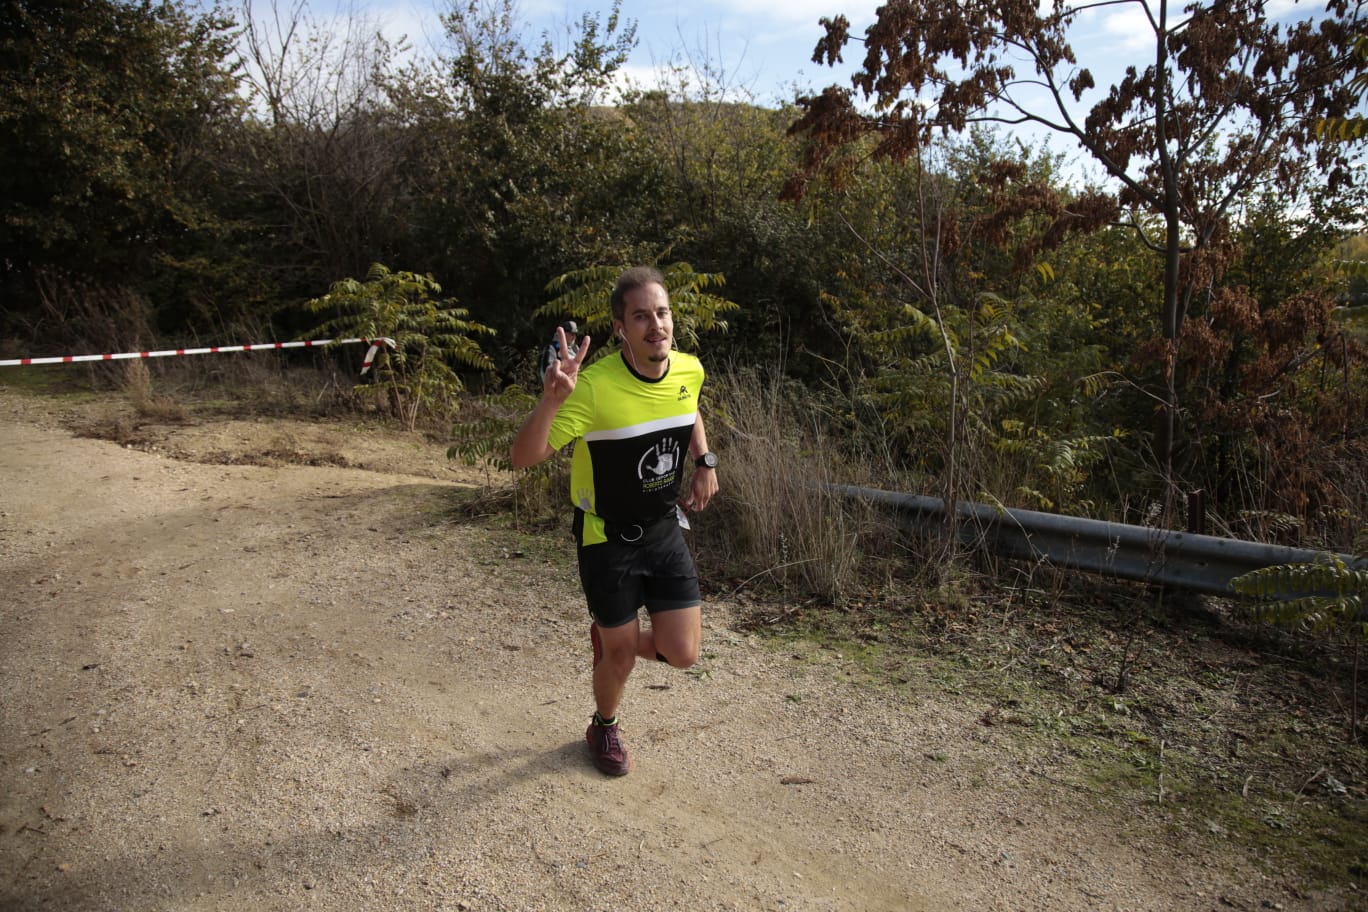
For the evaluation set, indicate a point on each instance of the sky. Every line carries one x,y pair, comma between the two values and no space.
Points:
757,50
760,47
763,47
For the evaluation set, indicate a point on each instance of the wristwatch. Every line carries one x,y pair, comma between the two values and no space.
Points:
706,461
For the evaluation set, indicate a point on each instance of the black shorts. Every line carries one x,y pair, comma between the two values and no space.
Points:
657,571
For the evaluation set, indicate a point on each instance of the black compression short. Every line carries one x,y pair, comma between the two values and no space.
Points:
656,571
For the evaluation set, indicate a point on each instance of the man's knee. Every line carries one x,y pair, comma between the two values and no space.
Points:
679,655
619,647
619,655
677,636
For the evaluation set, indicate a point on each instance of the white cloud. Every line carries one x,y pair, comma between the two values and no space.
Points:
417,21
1125,32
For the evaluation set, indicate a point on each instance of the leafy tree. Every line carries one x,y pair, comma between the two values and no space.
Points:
721,164
431,337
1352,269
484,437
1106,282
1328,594
494,75
321,159
1353,266
1351,127
1275,380
526,178
721,155
1228,104
962,366
103,105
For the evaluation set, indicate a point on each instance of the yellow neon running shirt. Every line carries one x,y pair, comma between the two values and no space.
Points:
631,439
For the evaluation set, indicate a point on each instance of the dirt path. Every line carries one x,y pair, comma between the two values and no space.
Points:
231,686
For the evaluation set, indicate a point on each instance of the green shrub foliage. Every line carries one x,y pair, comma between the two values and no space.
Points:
432,338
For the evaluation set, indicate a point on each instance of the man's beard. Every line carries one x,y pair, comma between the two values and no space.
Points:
656,357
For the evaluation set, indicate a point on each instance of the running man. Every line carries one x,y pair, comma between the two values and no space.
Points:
633,420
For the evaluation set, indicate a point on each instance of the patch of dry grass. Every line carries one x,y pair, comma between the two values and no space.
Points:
777,522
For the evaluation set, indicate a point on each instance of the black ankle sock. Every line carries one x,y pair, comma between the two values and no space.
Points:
599,720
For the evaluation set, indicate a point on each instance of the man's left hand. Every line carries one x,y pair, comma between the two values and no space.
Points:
702,489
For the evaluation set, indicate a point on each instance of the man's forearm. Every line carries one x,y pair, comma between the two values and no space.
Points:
698,442
531,445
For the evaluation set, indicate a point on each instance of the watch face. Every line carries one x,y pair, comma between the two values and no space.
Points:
707,461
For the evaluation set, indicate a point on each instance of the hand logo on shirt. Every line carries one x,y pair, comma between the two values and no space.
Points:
659,460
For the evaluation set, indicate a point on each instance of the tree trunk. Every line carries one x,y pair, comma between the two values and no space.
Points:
1165,438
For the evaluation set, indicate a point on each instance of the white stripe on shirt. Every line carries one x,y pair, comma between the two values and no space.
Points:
640,430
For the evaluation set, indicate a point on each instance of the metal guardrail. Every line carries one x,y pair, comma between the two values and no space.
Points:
1182,560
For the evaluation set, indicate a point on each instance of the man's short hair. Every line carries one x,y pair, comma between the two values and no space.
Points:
636,277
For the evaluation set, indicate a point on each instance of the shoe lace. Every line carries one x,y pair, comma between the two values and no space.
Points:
609,741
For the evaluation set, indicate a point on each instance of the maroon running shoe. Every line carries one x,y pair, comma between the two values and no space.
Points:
597,641
605,743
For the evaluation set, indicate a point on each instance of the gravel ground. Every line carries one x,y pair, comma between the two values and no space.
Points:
269,686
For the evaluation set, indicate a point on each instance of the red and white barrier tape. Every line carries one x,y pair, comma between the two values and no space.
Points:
213,349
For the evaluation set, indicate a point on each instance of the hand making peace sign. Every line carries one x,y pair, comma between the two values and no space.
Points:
563,373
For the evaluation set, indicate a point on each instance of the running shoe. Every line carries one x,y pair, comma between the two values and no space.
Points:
597,642
605,743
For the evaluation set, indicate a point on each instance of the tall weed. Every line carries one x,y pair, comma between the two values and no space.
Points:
783,526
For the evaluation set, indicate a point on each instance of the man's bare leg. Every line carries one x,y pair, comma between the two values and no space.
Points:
674,635
620,646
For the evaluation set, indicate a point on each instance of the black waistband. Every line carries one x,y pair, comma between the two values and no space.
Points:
630,532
